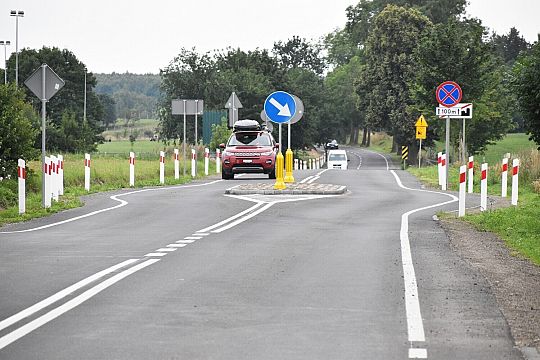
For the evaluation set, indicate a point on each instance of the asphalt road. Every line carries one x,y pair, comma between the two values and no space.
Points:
188,273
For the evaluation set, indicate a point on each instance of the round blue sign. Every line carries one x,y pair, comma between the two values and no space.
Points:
280,107
448,94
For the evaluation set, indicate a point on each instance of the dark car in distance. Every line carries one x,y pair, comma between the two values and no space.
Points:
250,149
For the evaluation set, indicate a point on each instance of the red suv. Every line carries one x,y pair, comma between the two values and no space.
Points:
250,149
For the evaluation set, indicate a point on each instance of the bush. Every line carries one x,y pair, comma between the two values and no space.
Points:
8,193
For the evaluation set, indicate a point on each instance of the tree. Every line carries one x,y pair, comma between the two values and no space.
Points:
109,109
526,85
390,70
17,135
510,46
220,134
299,53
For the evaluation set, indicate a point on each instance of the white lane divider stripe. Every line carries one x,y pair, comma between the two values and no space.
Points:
415,325
114,197
193,238
201,234
61,294
176,245
53,314
242,213
165,250
185,241
241,220
155,254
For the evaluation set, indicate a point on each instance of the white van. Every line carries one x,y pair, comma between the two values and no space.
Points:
337,159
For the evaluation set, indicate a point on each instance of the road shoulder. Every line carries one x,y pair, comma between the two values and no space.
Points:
514,280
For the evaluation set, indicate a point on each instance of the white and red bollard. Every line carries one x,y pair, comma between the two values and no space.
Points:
176,164
295,164
504,177
193,162
46,174
87,172
131,168
162,167
462,186
443,172
471,175
60,169
483,187
206,161
21,176
304,164
54,178
218,161
515,174
439,167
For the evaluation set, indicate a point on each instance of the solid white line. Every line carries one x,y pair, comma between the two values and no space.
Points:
114,197
381,155
61,294
193,238
155,254
417,354
241,220
53,314
176,245
242,213
306,179
185,241
415,326
165,250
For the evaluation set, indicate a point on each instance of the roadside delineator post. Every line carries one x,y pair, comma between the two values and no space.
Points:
304,162
54,178
87,172
515,174
483,187
193,162
46,174
439,167
471,175
176,164
206,160
289,178
443,172
280,183
21,176
131,168
462,186
60,174
295,164
162,167
218,161
504,177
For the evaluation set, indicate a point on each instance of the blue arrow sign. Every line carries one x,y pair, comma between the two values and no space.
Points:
280,107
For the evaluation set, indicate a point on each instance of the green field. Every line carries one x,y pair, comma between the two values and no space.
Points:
124,147
142,129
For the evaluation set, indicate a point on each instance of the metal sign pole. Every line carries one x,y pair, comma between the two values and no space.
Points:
464,146
289,135
43,117
420,155
196,110
279,137
184,143
447,146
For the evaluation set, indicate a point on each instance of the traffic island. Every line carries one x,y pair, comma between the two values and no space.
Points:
292,189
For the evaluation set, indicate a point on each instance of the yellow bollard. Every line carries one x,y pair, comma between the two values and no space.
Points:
279,185
289,166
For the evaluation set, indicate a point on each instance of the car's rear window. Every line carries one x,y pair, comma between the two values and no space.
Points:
337,157
251,139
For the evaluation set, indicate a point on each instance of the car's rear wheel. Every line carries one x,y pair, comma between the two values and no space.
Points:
272,174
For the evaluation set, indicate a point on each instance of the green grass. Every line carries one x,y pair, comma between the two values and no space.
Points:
124,147
106,174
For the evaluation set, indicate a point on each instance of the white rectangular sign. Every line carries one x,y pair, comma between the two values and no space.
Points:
459,111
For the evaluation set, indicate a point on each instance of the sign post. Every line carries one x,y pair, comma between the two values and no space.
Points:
187,107
233,104
44,83
421,132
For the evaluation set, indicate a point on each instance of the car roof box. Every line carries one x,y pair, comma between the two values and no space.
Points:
247,125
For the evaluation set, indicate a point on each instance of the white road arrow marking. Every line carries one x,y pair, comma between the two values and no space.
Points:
283,110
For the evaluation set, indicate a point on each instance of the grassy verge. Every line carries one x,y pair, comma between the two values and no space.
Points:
518,226
106,174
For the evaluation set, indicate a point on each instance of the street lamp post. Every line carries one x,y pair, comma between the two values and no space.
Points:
5,43
17,14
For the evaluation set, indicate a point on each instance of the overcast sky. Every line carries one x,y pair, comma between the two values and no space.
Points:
143,36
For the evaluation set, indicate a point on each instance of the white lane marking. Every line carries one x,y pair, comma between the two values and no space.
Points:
176,245
165,250
242,213
115,198
76,301
185,241
417,354
306,179
415,325
61,294
155,254
193,238
201,234
381,155
242,219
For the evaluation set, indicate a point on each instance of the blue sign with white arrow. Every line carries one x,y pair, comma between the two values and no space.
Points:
280,107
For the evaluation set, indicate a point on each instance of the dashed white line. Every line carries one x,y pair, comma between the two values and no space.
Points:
201,234
417,354
193,238
165,250
176,245
185,241
155,254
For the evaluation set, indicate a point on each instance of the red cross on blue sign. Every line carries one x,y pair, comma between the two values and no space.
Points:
448,94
